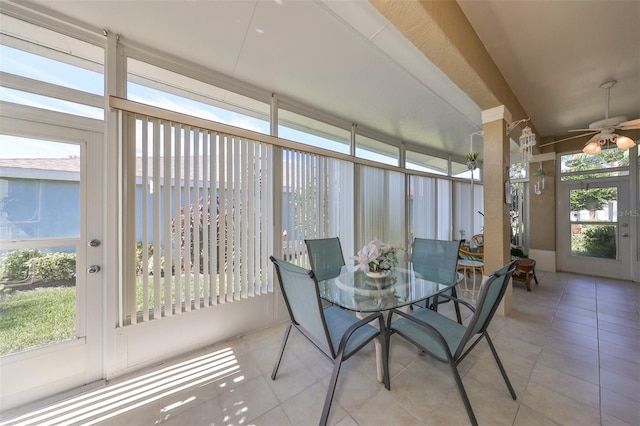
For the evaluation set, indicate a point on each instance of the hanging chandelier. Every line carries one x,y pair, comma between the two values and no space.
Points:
527,142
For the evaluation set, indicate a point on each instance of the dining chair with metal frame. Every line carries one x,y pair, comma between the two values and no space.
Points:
337,333
437,260
325,257
450,342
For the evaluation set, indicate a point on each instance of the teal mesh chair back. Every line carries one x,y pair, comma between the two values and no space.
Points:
490,296
325,257
436,259
301,295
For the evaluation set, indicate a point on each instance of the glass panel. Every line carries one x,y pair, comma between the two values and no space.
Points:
37,297
608,158
426,163
52,71
594,205
518,215
39,189
382,200
312,132
444,210
461,170
594,217
593,240
165,89
371,149
518,171
421,202
50,104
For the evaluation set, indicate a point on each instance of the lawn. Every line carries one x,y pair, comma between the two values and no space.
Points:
47,315
36,317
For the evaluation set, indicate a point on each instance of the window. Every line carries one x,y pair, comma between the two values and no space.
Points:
317,202
156,86
371,149
203,218
46,69
610,162
426,163
306,130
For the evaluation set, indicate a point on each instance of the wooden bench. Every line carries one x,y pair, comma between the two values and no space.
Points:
525,272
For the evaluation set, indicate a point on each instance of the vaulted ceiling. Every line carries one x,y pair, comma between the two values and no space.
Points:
346,58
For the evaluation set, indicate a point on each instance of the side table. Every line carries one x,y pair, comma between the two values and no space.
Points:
525,272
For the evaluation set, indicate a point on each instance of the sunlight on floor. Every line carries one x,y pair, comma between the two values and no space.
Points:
113,400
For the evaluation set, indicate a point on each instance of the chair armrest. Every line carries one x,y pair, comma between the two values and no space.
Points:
359,324
463,302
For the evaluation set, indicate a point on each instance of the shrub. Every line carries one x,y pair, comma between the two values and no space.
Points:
15,265
600,241
54,266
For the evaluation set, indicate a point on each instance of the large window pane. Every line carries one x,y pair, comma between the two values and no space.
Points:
317,203
382,201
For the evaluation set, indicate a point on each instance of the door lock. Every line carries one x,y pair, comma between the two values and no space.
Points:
93,269
624,235
95,243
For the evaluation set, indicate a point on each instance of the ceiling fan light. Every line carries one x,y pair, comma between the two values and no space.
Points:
624,142
593,148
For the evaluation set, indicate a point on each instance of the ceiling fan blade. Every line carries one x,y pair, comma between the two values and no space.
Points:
629,125
585,130
568,139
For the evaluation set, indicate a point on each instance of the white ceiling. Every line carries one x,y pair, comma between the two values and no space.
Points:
343,57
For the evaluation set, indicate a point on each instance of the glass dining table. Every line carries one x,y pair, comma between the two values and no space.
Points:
406,284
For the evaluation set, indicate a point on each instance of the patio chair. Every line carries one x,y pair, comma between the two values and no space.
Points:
437,260
334,331
446,340
325,257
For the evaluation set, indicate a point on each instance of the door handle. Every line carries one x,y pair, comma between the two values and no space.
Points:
624,235
93,269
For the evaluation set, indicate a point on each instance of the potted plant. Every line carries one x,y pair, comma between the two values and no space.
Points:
472,160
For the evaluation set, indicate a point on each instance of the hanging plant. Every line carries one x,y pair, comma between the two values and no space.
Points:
472,160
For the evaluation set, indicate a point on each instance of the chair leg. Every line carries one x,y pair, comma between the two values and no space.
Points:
463,393
456,305
332,387
502,370
284,343
384,338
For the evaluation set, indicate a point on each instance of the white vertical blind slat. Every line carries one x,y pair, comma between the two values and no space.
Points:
197,217
156,221
167,205
145,215
188,217
177,228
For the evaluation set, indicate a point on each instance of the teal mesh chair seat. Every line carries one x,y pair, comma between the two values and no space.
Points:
450,342
335,332
325,257
437,260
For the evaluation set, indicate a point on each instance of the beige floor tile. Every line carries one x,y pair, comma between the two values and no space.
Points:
560,408
247,401
570,386
529,417
275,417
570,366
382,409
305,408
620,407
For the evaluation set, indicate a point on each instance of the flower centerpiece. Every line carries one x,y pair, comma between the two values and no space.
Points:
376,259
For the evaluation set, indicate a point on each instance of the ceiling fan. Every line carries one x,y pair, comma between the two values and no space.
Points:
603,131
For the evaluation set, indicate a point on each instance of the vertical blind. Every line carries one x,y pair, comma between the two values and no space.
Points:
318,202
203,205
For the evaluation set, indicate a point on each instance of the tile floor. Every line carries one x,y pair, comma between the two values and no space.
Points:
571,348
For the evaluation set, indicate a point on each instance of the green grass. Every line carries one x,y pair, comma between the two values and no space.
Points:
47,315
35,318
